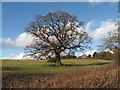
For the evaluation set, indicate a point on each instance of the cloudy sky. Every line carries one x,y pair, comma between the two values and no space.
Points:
99,18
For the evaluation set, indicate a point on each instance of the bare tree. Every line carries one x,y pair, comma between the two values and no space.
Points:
112,42
55,33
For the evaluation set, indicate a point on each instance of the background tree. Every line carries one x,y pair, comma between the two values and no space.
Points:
89,56
112,43
94,54
55,33
103,55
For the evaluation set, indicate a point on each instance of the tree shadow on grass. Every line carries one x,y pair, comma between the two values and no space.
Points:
13,68
70,65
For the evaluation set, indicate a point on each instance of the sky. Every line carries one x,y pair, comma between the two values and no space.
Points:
99,18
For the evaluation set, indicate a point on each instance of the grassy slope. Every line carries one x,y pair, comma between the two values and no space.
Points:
42,66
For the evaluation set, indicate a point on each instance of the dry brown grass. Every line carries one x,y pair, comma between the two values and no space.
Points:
104,77
24,80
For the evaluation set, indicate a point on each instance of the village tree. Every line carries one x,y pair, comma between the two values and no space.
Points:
55,33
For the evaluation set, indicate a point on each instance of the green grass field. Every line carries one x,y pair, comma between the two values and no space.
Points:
76,73
42,66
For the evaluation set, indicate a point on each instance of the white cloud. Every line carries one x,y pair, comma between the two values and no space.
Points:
95,0
18,57
21,41
63,54
88,26
13,56
103,29
21,56
108,50
89,52
26,39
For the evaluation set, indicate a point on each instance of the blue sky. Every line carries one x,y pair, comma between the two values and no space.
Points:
16,16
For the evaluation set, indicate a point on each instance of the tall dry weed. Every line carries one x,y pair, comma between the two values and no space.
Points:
104,77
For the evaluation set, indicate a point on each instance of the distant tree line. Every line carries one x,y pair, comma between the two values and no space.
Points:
97,55
103,55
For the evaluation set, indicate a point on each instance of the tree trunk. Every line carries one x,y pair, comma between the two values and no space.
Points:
58,60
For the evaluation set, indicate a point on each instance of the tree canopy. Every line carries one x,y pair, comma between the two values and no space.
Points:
55,33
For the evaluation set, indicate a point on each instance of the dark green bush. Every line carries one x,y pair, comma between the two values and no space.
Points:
103,55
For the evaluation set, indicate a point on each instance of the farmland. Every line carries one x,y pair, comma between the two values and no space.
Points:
39,73
42,66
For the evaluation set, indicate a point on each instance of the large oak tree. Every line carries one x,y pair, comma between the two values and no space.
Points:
55,33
